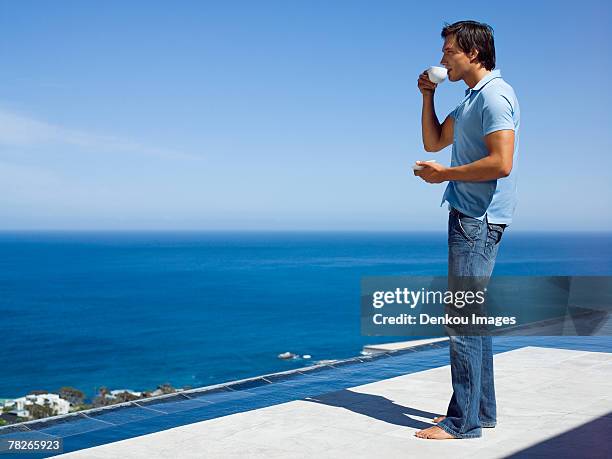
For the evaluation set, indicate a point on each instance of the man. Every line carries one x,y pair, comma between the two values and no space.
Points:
481,194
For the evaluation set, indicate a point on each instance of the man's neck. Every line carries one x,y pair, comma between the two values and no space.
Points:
474,77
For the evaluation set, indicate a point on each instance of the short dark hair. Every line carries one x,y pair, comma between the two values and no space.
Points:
470,35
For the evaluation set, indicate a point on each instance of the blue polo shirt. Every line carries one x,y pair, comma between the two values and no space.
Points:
489,106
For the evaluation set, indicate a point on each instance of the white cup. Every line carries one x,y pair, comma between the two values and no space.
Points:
416,167
437,74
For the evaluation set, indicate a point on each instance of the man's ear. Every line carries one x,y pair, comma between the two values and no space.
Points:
473,55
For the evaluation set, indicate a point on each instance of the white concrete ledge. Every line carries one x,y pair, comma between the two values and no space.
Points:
400,345
542,393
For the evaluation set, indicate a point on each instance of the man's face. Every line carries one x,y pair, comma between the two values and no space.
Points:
456,61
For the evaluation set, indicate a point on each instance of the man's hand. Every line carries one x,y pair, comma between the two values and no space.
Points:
425,86
431,172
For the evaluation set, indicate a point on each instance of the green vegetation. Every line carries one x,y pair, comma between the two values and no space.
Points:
40,411
74,396
125,397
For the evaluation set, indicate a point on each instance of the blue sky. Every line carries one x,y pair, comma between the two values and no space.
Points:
282,115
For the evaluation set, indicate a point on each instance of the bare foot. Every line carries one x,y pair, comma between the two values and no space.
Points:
434,433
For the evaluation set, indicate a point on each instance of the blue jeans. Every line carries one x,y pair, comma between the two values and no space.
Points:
472,249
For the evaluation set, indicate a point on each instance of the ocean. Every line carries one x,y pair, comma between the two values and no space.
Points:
133,310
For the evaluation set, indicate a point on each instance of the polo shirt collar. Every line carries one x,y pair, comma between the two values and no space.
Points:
490,76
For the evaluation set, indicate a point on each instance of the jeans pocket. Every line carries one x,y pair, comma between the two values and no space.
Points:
494,234
469,227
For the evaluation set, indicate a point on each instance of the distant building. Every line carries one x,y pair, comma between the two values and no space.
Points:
20,405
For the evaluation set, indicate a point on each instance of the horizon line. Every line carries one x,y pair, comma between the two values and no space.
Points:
270,230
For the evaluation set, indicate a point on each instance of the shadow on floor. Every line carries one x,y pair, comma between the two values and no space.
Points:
375,406
590,440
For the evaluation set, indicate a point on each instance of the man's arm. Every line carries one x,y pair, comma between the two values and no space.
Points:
497,164
436,136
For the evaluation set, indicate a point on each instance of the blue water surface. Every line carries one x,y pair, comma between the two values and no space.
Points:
135,310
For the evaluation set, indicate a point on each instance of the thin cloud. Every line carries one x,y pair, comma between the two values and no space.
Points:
17,130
